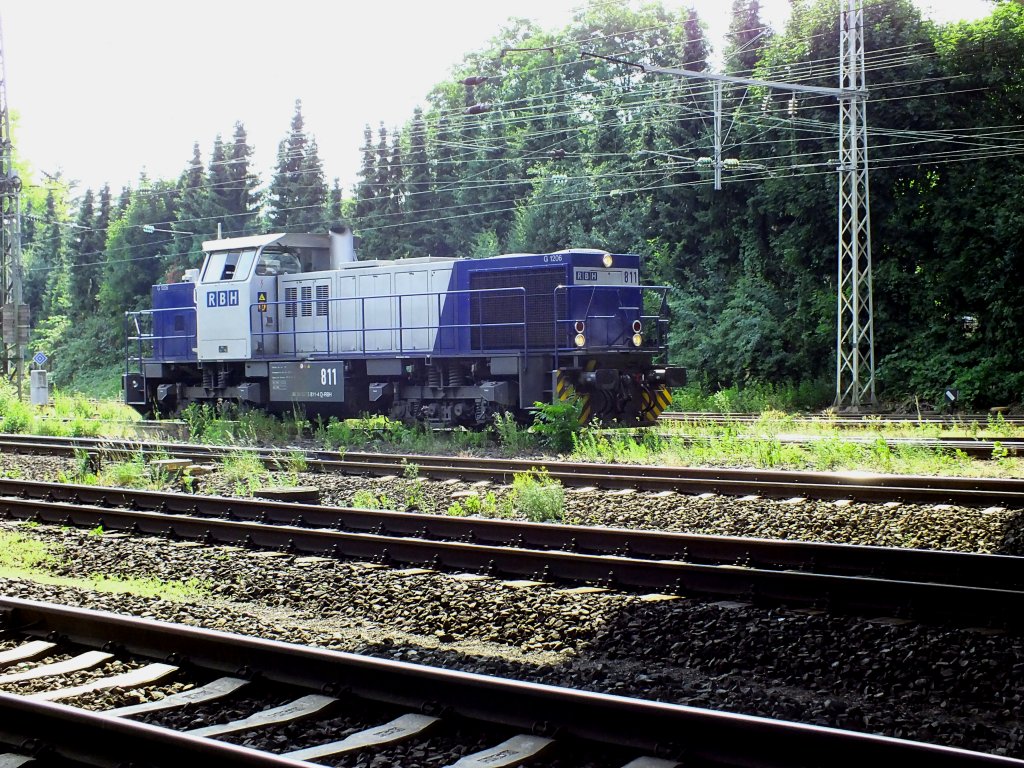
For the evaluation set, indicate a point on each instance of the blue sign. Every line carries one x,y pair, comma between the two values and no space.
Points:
39,358
222,298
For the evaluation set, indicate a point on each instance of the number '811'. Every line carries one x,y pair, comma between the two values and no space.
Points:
328,376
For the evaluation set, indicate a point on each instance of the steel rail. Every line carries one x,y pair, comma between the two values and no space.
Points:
771,483
573,717
857,595
776,483
902,564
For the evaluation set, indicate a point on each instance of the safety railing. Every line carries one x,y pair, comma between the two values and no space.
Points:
138,332
455,331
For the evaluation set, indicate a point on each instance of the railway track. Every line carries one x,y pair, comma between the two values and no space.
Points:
781,484
922,584
423,715
867,420
977,448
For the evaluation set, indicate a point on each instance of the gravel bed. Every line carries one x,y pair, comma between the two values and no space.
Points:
948,685
961,529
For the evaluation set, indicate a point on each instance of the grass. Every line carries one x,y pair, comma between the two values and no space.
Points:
694,441
69,415
23,557
729,446
136,471
246,472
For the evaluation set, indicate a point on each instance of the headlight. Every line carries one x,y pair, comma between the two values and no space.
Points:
581,340
638,340
607,259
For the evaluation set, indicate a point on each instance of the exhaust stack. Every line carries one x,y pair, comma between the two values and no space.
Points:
343,247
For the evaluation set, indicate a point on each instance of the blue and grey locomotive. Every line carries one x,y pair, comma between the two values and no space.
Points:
283,320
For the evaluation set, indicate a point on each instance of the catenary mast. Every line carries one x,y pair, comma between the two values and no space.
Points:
15,321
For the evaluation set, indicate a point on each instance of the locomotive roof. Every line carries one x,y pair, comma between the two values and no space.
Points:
257,241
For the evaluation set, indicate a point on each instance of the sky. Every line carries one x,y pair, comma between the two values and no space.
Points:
107,88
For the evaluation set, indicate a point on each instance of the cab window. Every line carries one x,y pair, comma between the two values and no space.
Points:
278,263
225,266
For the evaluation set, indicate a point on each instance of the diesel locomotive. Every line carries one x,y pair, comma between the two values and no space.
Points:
281,321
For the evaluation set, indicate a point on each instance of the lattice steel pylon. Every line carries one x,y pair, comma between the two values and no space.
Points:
855,327
10,238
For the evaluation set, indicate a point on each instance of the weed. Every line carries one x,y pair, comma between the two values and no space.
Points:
537,496
468,439
97,531
416,499
296,462
510,434
369,500
475,505
336,434
17,417
410,470
456,509
245,471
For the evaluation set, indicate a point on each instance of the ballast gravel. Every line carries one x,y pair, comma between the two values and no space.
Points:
944,684
948,685
993,530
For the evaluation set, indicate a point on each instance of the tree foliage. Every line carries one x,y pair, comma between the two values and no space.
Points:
544,139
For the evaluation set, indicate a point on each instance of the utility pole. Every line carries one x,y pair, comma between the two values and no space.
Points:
855,338
15,315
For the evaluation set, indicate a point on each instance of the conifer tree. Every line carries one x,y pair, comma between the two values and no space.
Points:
416,200
334,201
446,167
382,180
216,210
240,199
87,254
747,37
193,205
44,256
365,192
298,193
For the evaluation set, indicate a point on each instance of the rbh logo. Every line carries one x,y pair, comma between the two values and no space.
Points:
222,298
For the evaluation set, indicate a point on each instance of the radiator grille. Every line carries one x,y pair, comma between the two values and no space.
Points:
307,303
507,307
323,293
290,295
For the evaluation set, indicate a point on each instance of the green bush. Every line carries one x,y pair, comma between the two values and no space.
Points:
558,423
